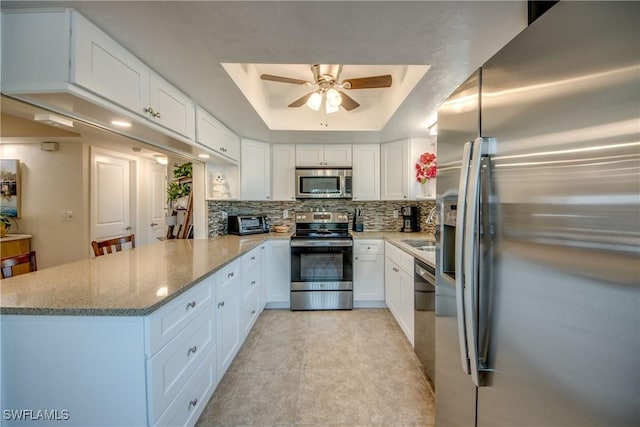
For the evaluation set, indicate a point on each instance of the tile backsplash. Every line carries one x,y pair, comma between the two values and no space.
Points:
378,215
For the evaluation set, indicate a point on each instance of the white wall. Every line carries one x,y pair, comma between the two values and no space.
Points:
52,182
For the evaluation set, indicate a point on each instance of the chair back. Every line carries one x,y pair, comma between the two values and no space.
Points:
103,247
8,263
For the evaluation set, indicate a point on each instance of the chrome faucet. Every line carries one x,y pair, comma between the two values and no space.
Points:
432,214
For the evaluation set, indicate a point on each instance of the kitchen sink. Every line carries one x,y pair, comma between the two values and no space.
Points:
421,245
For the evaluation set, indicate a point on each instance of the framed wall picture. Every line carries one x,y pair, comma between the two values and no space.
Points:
10,187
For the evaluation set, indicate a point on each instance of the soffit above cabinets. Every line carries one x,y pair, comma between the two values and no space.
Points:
187,42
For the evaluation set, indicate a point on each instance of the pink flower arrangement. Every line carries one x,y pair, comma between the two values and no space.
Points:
426,167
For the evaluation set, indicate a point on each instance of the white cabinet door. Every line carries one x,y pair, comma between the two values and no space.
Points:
314,155
278,280
171,108
213,134
255,170
338,155
395,170
366,172
309,155
102,66
228,315
405,319
283,172
368,278
392,286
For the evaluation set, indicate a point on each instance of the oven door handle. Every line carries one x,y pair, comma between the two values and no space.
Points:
314,243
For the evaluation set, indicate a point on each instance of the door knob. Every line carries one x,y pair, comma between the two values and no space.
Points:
153,224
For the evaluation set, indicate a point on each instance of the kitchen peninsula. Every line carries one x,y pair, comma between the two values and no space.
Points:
139,337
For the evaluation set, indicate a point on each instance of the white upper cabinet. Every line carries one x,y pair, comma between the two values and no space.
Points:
366,172
331,155
171,108
60,51
216,136
102,66
255,170
283,172
395,170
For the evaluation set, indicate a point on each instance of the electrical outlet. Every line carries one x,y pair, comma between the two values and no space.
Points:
285,214
69,215
395,213
62,215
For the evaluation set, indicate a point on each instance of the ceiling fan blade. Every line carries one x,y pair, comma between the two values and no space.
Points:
369,82
348,103
281,79
301,101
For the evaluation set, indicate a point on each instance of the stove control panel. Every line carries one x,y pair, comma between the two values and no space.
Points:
322,217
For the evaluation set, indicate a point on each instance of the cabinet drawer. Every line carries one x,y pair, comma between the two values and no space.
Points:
227,276
190,402
251,279
374,247
400,257
170,369
250,310
252,258
165,323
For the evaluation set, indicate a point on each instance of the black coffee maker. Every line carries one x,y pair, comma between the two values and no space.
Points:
410,222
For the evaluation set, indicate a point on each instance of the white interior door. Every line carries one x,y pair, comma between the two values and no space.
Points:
157,202
111,189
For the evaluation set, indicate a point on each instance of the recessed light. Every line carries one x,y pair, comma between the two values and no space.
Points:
203,156
161,159
121,123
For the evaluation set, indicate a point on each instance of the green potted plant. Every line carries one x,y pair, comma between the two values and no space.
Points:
178,194
184,170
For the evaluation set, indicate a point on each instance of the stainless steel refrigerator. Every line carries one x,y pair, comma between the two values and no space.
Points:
538,247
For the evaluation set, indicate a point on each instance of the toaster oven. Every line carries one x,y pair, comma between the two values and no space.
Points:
247,224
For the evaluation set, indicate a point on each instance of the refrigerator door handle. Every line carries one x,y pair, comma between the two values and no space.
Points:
459,261
481,146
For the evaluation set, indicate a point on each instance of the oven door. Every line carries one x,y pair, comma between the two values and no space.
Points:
321,274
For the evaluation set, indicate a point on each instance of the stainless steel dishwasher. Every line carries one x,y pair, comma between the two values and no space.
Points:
424,288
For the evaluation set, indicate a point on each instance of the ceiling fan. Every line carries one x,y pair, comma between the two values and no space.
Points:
329,95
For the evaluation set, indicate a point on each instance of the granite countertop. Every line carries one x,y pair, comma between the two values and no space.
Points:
139,281
12,237
128,283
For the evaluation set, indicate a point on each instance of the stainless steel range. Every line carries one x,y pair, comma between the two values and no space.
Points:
322,262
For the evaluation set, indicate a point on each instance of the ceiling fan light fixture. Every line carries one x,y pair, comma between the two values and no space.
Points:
314,101
332,108
333,99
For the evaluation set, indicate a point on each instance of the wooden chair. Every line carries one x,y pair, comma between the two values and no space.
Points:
7,264
103,247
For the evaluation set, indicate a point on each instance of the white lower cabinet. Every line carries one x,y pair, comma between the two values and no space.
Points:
278,279
171,369
368,273
251,289
228,314
399,288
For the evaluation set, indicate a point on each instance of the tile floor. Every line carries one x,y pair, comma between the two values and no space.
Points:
317,368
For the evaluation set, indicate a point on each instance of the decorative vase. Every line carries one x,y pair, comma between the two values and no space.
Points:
424,189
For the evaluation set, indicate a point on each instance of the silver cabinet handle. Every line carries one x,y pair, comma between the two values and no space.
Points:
221,304
229,275
404,195
396,270
253,282
153,224
253,258
193,403
128,228
192,350
157,115
149,110
253,312
191,304
356,258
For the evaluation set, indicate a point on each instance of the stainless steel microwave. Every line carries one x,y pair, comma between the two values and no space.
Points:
325,183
